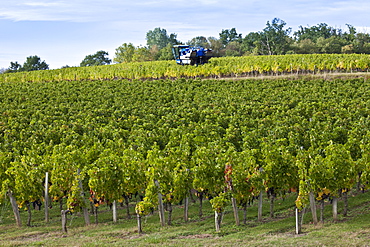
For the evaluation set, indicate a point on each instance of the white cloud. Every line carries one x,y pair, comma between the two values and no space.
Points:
88,11
43,4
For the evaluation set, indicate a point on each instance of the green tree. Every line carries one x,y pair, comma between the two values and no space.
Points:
331,45
99,58
216,46
165,53
124,53
233,48
274,38
351,36
142,54
160,38
230,35
249,43
14,67
199,41
34,63
305,46
361,43
313,33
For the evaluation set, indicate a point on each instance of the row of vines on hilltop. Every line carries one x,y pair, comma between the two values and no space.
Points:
218,67
224,139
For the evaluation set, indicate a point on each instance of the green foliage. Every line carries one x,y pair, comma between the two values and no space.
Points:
216,46
313,33
14,67
274,38
330,45
160,38
199,41
170,168
216,136
107,178
305,46
279,169
63,164
208,170
233,48
165,53
144,208
76,200
32,63
5,159
142,54
361,43
124,53
220,202
334,171
246,176
26,179
230,35
99,58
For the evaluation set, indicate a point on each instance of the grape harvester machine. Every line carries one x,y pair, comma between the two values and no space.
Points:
186,54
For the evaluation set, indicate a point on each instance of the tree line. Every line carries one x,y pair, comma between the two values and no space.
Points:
275,39
31,63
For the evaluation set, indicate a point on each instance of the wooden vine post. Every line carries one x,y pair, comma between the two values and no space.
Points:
298,226
313,207
46,197
260,201
186,209
114,208
235,209
160,204
218,220
335,208
84,209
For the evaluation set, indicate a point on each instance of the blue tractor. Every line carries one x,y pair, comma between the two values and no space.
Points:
186,54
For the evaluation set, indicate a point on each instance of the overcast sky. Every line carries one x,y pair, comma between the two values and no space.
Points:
63,32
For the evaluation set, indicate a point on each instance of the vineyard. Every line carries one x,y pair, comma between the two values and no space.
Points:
74,139
216,68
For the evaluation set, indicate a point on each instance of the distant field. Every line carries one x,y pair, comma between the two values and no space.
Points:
250,66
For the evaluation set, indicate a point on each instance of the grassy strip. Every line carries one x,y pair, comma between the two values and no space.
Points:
352,230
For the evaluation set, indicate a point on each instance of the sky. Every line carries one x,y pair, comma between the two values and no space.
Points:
64,32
